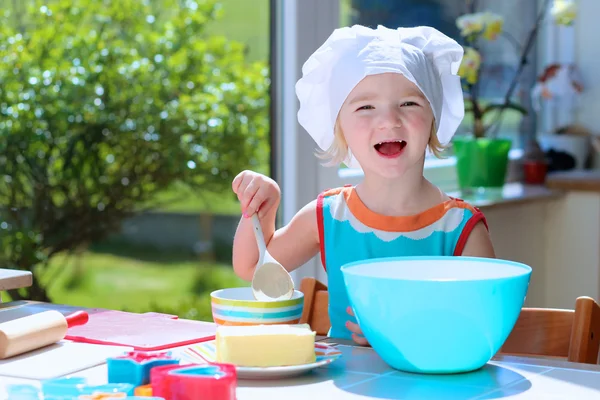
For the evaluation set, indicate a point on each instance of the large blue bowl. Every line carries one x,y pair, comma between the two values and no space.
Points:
436,314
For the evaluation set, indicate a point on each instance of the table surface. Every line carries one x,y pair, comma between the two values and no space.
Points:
361,374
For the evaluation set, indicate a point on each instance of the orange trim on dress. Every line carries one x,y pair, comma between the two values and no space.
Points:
399,223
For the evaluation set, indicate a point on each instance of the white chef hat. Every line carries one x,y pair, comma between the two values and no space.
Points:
424,55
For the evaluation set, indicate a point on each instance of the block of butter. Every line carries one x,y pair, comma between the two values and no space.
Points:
265,345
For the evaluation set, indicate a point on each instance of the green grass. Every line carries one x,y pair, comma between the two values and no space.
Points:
125,277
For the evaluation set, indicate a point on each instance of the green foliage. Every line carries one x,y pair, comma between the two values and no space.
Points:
208,280
123,276
105,104
198,307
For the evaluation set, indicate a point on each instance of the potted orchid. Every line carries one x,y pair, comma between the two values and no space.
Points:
482,157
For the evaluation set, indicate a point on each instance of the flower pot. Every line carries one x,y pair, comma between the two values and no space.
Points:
481,163
535,172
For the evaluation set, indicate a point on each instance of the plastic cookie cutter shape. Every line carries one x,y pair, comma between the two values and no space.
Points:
102,396
30,392
143,391
158,377
22,392
111,396
134,367
74,387
191,382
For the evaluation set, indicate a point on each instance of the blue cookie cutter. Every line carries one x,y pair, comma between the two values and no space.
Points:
134,366
23,392
69,389
72,388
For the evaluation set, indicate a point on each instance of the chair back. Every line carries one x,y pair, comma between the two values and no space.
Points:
316,306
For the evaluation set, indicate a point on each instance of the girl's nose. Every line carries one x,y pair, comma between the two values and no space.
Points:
389,119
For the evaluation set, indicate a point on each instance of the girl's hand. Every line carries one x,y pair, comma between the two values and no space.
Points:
257,193
357,334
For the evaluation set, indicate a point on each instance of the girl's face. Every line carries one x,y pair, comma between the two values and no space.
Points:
386,121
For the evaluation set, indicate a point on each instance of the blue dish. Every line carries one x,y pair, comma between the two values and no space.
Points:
436,314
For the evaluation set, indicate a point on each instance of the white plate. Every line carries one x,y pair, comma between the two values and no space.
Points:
206,353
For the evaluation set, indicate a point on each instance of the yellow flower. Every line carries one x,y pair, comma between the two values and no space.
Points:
470,24
486,23
470,65
564,12
493,25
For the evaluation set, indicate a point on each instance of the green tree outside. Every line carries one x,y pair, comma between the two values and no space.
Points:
104,106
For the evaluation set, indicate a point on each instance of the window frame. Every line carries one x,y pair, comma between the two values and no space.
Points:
299,173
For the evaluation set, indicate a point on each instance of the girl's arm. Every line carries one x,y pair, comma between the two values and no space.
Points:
479,243
292,245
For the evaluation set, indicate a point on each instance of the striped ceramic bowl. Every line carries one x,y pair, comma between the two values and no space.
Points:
237,306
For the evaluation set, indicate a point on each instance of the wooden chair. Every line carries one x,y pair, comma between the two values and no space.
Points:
570,334
316,302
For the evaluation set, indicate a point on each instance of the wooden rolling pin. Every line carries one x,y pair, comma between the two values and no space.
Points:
36,331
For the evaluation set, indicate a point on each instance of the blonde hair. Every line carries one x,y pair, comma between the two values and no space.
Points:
338,151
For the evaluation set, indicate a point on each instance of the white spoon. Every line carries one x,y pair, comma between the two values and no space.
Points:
270,281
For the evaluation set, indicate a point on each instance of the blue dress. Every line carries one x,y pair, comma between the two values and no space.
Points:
349,231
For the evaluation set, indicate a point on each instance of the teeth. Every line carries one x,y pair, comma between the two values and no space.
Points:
391,141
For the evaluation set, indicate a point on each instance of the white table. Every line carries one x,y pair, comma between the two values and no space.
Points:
361,374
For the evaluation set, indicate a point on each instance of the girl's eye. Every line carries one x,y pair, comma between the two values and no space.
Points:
366,108
409,103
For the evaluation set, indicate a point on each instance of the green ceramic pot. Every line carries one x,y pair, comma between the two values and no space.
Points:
481,163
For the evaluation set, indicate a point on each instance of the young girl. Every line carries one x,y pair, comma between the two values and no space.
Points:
377,99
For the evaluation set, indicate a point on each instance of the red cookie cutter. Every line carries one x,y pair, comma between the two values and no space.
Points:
194,381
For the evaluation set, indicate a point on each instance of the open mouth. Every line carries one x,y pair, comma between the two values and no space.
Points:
390,148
